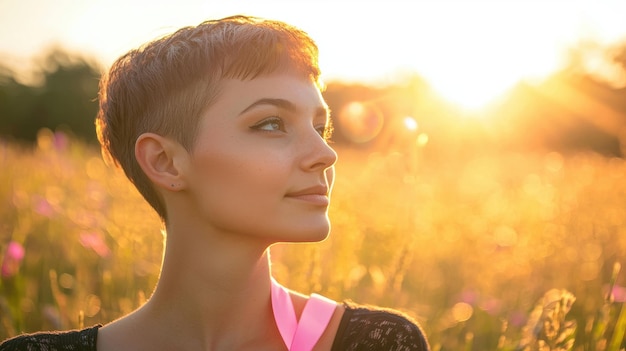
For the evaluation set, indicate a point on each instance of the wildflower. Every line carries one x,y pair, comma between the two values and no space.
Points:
95,242
618,293
60,141
13,257
518,318
492,306
470,297
43,207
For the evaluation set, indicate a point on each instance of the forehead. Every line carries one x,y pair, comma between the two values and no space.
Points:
236,94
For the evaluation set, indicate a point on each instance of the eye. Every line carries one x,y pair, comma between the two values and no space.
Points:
321,130
271,124
325,131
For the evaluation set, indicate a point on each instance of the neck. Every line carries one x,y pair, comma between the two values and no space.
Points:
218,289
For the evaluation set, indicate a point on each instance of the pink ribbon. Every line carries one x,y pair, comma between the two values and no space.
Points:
304,334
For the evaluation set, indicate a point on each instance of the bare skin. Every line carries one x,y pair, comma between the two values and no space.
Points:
166,326
260,173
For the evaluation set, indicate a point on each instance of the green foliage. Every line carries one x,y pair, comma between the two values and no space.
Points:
65,100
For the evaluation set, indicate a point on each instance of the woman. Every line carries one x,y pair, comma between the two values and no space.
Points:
223,129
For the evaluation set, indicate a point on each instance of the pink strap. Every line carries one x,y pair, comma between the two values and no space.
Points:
302,335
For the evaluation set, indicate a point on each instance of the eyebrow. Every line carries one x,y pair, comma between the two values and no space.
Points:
285,105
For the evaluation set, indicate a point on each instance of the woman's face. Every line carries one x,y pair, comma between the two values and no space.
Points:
260,167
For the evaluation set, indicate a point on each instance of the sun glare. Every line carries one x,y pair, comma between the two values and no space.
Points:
469,91
479,57
410,123
471,53
483,71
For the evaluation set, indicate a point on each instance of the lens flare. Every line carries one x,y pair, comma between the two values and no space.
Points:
410,123
360,122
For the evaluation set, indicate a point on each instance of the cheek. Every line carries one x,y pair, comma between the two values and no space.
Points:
241,194
241,178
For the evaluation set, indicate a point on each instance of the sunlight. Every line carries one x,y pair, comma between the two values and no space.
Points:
470,52
422,140
468,91
477,58
410,123
486,71
471,55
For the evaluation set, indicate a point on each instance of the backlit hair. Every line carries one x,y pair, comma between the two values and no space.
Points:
164,86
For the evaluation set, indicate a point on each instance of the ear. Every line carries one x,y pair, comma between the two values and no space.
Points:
161,158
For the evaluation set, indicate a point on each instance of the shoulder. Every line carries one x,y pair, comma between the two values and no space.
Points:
375,328
84,340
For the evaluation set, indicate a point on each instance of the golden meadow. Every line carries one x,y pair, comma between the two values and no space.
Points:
488,251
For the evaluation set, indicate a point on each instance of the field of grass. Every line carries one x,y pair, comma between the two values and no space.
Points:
488,251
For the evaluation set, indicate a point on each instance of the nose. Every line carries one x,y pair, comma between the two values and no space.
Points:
318,154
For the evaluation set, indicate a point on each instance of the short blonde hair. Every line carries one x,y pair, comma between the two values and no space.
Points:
164,86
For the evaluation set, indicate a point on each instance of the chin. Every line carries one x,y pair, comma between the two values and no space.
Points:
317,238
311,234
321,235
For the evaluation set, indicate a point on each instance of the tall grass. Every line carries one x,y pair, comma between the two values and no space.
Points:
493,251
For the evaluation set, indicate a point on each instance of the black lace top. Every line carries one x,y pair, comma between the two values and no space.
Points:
375,329
360,329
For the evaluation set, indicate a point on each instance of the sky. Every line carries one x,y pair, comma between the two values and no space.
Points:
464,48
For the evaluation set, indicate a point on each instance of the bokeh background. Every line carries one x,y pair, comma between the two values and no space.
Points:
481,182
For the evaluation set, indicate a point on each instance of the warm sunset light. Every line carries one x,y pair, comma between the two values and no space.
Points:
469,51
478,185
477,58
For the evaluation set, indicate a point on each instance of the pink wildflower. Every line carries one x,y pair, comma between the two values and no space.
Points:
470,297
43,207
60,141
619,293
95,242
518,318
492,306
13,257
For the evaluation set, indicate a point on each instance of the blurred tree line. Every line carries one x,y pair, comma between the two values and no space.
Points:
64,98
578,108
581,107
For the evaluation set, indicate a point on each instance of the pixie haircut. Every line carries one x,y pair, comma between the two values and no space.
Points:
164,86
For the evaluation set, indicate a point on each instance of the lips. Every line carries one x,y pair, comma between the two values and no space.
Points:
316,195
